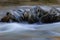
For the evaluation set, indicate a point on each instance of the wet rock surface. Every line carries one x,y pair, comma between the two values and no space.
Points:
34,15
31,18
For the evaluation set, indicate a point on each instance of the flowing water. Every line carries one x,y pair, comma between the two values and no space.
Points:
23,31
19,31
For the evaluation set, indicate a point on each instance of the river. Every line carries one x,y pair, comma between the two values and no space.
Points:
19,31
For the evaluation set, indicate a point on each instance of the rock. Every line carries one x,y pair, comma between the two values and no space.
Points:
38,11
46,18
25,16
9,18
21,18
13,19
58,19
32,19
6,18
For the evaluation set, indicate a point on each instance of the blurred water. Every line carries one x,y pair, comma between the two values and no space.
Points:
22,31
28,31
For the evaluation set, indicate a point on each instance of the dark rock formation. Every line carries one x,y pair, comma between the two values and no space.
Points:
32,19
35,15
9,18
48,18
6,18
25,16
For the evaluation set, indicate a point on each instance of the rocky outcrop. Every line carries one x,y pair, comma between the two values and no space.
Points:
36,15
